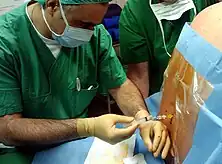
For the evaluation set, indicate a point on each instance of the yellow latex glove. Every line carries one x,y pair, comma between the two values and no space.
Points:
104,128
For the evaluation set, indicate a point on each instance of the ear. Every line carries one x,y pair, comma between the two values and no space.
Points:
51,6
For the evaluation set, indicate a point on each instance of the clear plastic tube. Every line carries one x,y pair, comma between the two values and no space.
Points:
153,118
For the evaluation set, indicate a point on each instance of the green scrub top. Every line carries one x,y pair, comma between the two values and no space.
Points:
36,84
141,38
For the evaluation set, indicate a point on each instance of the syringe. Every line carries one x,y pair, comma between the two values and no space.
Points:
149,118
153,118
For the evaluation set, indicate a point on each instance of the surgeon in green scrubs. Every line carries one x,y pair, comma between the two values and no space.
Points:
54,55
149,31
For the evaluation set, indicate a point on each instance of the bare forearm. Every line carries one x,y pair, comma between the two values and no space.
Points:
139,75
129,99
23,132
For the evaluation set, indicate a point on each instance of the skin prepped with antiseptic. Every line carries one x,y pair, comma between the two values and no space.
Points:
180,98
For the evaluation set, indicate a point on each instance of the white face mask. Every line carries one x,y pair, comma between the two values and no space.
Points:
72,37
171,11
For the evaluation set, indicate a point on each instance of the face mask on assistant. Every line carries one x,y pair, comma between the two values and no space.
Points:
72,36
171,11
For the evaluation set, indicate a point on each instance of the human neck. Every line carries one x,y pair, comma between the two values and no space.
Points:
35,13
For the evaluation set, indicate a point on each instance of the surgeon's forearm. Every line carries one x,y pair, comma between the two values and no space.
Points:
130,100
139,75
31,132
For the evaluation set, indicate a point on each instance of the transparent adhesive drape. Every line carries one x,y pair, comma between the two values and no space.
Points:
184,92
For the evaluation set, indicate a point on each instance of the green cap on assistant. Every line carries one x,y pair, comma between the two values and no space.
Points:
77,2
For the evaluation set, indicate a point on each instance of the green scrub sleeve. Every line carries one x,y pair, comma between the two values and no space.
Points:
111,72
10,98
133,45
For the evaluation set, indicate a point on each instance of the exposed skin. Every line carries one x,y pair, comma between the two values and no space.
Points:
139,73
17,131
85,19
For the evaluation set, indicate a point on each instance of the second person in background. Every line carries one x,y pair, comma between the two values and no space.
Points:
148,34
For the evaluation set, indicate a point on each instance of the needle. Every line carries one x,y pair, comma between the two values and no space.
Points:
150,118
153,118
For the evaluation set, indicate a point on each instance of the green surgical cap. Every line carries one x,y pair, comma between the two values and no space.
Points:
77,2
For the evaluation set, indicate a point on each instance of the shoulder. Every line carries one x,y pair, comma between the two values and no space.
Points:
102,37
136,10
208,24
142,6
100,30
100,43
10,25
137,18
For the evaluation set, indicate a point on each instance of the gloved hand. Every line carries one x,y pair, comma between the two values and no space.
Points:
156,138
155,135
104,127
